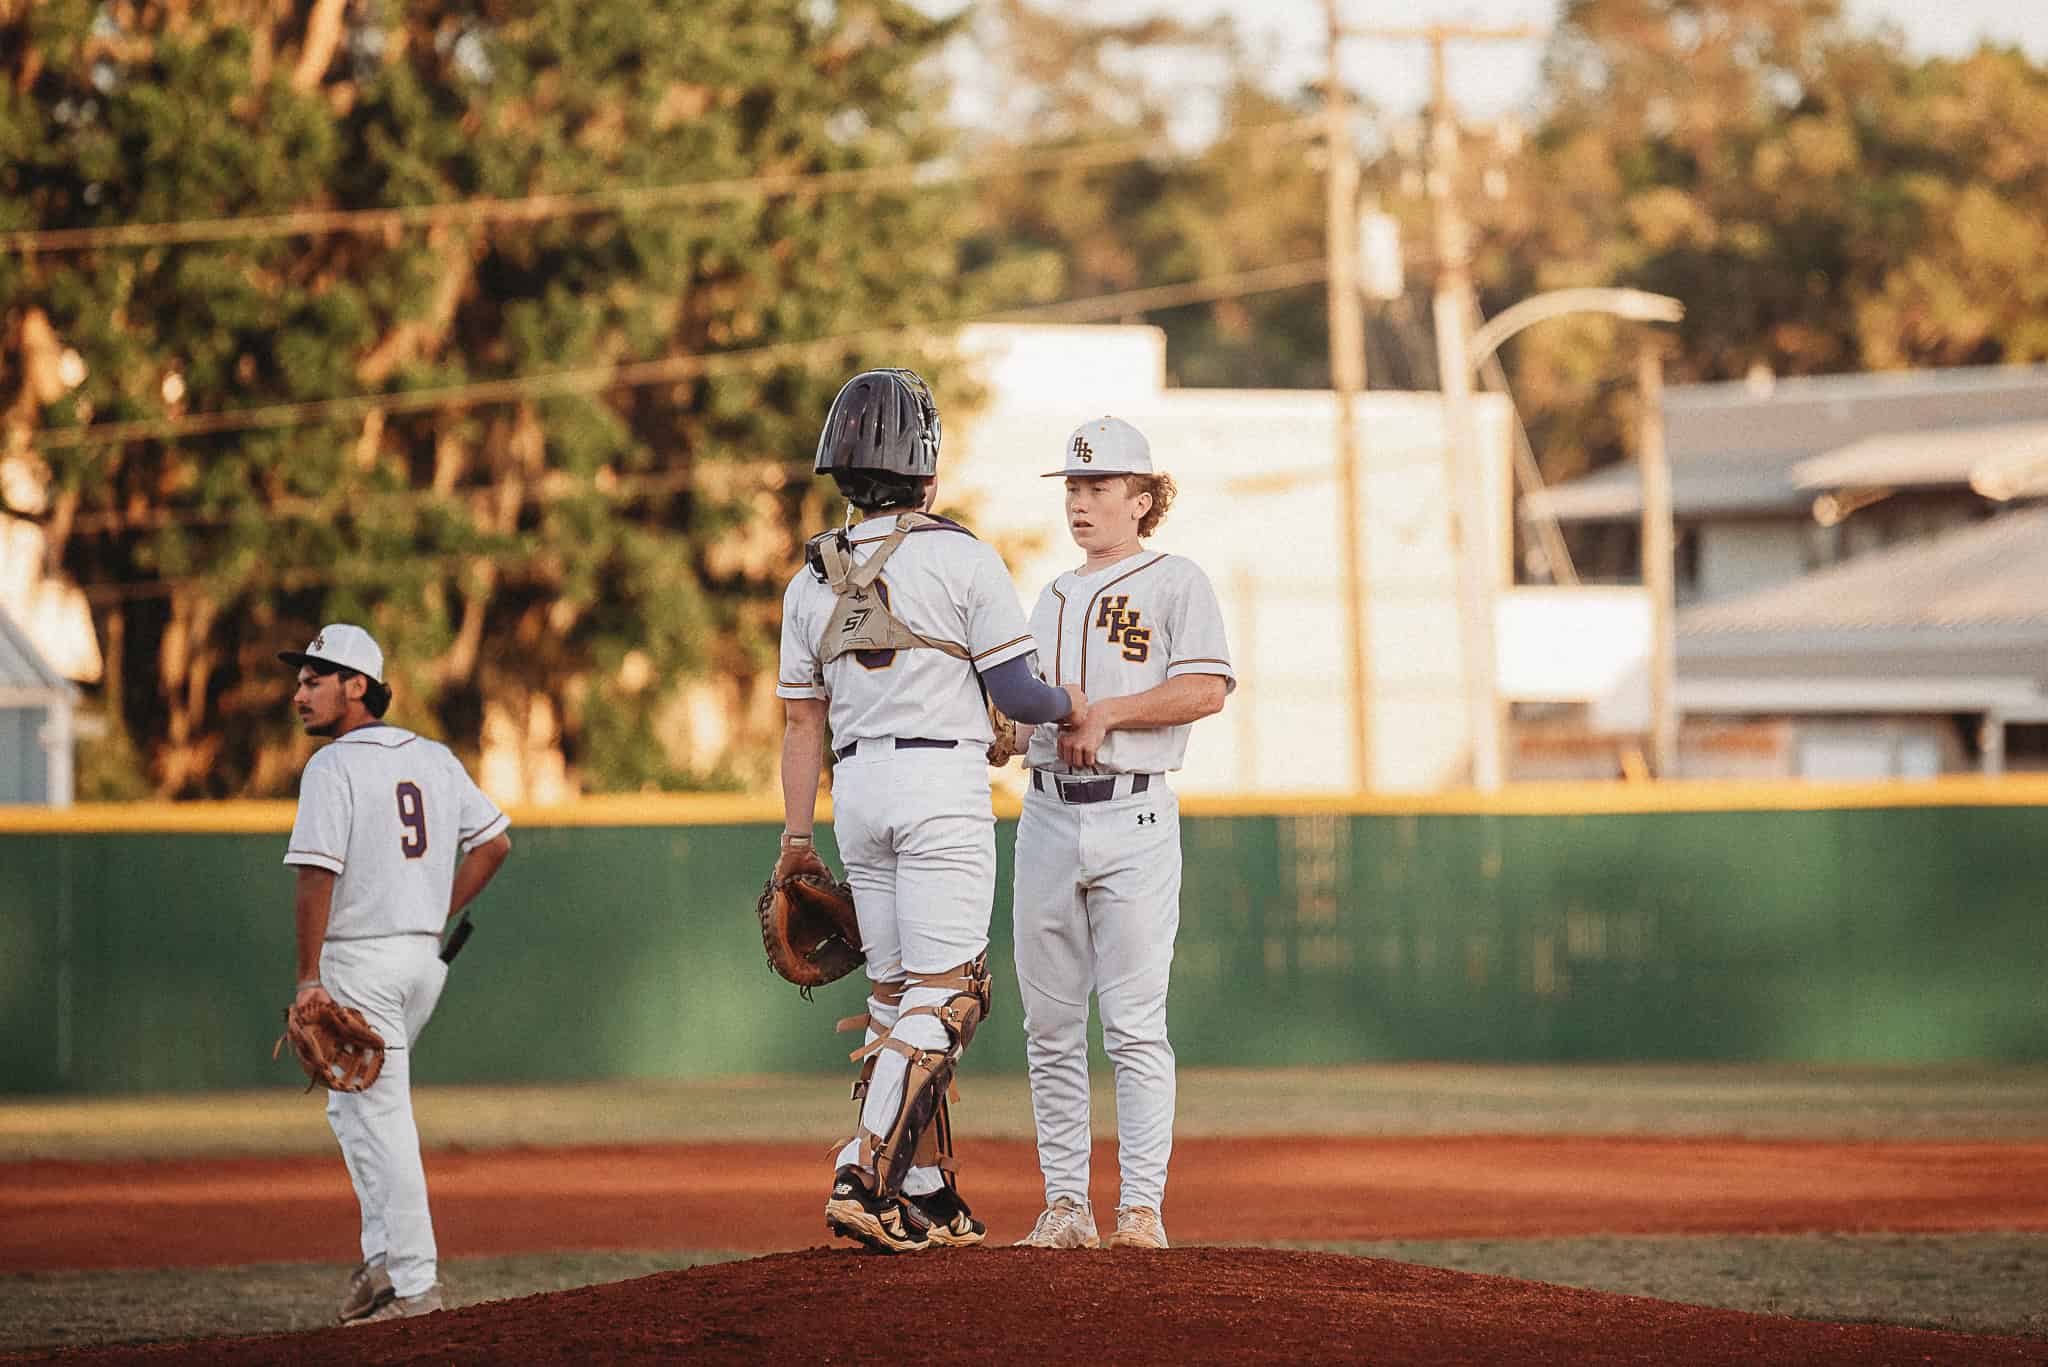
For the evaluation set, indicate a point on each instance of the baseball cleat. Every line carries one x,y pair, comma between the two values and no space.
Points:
369,1289
406,1307
952,1224
1066,1223
884,1224
1138,1227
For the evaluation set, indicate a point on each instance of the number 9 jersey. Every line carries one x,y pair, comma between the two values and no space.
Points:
390,814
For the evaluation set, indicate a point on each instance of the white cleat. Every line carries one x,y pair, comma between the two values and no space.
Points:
1066,1223
428,1302
1138,1227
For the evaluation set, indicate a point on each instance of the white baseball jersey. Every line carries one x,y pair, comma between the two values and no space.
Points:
390,813
1123,630
941,583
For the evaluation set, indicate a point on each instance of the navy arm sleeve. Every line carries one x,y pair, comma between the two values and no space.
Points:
1022,695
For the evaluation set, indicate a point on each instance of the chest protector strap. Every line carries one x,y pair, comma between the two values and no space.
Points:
861,619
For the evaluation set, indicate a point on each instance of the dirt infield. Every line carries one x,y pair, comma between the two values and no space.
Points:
1009,1305
768,1198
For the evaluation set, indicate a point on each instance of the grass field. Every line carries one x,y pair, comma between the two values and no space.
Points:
1986,1281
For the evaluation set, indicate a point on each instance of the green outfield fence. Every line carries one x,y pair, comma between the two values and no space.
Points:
151,948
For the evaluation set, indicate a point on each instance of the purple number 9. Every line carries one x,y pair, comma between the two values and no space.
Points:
412,814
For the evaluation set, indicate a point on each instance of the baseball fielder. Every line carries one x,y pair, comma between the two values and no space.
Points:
890,633
392,840
1098,847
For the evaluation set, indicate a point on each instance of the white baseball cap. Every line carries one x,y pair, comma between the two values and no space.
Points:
1107,446
344,646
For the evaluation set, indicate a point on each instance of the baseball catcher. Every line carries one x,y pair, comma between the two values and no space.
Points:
899,631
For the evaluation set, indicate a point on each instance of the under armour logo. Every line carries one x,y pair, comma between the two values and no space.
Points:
319,643
1082,452
1148,818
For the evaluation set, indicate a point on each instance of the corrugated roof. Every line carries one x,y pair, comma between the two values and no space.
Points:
1988,576
1733,446
21,664
1703,483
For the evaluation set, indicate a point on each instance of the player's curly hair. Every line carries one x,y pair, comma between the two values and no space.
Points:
1162,488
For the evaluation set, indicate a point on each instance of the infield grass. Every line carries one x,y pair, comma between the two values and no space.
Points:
1704,1101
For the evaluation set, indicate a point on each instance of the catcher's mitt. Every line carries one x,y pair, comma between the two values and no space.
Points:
809,929
338,1048
1013,738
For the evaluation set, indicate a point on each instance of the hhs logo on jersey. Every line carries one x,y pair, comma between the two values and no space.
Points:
1121,620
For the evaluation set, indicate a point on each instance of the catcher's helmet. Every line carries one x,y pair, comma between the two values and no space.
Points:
883,421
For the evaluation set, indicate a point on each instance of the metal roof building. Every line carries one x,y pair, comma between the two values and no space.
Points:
1738,448
1957,623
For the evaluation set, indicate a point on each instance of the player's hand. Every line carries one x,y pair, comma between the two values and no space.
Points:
308,996
1079,741
1078,713
799,859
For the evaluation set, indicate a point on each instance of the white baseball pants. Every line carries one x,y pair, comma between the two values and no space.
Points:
1097,909
394,980
918,836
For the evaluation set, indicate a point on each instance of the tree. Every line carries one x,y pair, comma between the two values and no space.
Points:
1058,77
1819,201
554,565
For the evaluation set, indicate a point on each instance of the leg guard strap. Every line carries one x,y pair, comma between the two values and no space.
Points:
889,994
928,1077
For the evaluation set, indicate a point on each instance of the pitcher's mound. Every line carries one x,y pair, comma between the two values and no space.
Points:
1173,1308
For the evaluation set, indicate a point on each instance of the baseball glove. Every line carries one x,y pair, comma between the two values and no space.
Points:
338,1048
808,927
1013,738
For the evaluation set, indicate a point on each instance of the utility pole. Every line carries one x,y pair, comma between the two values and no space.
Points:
1480,574
1347,378
1659,543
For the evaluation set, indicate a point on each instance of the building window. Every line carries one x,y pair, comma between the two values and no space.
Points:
2026,747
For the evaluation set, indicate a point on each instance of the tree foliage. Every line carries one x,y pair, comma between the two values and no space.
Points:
1819,200
562,567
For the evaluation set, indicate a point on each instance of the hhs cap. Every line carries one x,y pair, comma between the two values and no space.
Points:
349,647
1107,446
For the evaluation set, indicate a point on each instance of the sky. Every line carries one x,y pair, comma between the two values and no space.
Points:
1492,78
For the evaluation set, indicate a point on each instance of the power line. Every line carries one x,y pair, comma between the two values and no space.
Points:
1268,279
597,379
540,208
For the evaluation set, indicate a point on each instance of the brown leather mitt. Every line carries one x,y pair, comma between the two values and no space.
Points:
338,1048
1013,738
809,929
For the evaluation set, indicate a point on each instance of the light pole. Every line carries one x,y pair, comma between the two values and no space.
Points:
1476,573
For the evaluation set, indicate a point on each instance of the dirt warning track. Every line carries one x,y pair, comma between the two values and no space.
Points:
760,1198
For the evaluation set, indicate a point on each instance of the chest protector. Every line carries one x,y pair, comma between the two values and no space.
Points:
861,619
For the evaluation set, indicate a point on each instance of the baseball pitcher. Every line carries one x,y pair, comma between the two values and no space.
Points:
1098,846
892,631
392,840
